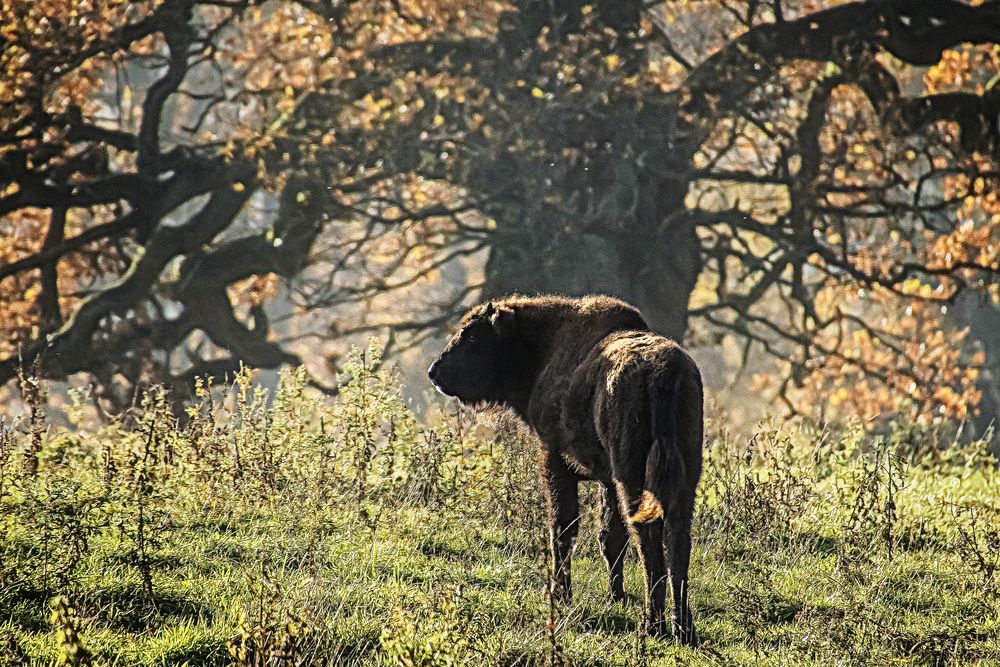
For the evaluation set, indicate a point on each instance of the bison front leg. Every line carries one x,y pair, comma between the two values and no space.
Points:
562,486
614,539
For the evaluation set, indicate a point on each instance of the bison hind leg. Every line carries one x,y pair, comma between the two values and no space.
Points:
678,547
614,541
655,575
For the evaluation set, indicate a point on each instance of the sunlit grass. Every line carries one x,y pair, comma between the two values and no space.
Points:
296,530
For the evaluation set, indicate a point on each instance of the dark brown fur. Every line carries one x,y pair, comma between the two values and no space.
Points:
610,401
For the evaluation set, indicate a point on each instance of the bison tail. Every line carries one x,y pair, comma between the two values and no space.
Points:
664,463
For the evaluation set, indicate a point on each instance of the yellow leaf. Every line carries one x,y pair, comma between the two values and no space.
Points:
611,61
537,92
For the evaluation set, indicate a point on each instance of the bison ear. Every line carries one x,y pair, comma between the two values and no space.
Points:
489,310
503,320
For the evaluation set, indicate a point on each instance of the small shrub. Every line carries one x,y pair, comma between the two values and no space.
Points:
71,650
271,644
439,638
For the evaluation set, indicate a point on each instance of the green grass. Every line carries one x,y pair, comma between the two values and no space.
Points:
343,531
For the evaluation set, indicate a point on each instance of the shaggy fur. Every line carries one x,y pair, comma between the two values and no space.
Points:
610,401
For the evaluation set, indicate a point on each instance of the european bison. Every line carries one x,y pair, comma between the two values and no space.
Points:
610,401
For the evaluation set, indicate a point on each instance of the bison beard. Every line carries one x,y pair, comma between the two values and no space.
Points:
610,401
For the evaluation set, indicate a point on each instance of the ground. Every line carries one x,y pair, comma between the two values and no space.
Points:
299,530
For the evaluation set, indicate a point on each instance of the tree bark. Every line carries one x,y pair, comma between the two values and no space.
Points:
653,263
975,311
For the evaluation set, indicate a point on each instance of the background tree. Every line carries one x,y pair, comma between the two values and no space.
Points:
146,205
830,217
790,174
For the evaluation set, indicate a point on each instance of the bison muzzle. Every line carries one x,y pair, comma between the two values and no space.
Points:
610,401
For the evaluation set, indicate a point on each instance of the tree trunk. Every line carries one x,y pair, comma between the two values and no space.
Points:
974,310
652,262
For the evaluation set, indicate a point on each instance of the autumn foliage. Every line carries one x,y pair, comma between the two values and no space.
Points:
810,186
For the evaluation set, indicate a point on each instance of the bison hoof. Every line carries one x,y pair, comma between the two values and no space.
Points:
563,595
685,636
657,627
618,593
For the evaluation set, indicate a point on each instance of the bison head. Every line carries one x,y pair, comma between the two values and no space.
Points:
472,366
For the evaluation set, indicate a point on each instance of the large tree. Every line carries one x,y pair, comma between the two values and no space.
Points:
788,172
133,140
802,186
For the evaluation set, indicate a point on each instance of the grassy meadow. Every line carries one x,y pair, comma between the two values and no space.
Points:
296,529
